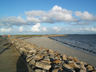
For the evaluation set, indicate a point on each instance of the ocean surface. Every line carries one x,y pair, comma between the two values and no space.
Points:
86,43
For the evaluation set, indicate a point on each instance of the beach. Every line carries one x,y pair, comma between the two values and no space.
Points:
45,42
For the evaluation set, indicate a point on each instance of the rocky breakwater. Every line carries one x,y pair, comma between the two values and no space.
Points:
47,60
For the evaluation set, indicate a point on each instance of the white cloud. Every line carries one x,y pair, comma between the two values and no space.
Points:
20,28
36,27
85,16
33,19
57,29
12,21
56,14
35,13
44,29
5,29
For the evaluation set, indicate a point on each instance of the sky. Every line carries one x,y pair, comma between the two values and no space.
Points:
47,17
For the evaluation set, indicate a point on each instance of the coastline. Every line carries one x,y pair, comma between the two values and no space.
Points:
46,42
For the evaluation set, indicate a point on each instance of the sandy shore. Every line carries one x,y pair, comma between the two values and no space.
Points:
61,48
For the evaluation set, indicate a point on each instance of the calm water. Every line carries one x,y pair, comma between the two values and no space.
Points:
83,42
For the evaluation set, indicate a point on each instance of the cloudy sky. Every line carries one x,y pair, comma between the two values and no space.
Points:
47,17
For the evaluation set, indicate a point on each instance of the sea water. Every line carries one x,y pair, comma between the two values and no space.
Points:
84,42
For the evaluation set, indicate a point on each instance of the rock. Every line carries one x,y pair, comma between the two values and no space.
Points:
32,51
46,61
22,50
70,58
39,70
94,71
52,56
72,65
64,57
75,59
50,51
58,57
28,58
46,58
67,66
83,69
90,68
42,65
32,62
56,70
57,61
38,56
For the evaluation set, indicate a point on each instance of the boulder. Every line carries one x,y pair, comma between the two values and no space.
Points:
42,65
38,56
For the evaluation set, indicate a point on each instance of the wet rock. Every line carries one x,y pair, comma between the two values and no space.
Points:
42,65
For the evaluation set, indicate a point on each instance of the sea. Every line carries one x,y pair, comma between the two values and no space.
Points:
87,43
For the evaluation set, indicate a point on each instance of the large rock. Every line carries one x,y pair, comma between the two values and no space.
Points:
42,65
38,56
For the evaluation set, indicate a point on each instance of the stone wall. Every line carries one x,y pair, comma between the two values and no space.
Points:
47,60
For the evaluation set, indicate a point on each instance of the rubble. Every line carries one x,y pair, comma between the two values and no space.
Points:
47,60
